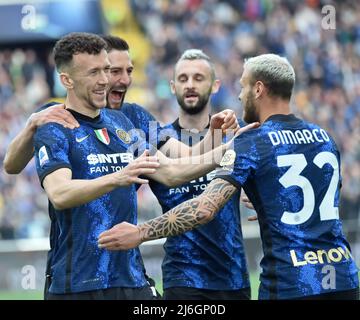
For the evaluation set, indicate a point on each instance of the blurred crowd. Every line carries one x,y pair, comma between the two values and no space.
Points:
326,61
24,85
325,54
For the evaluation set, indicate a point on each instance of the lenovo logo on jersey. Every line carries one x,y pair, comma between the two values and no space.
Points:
110,158
320,256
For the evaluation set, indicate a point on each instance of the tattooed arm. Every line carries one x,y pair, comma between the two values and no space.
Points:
184,217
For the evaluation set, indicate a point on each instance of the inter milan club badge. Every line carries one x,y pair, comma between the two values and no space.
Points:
123,135
102,135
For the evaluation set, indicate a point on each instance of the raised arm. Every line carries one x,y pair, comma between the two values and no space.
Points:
21,149
221,123
173,172
186,216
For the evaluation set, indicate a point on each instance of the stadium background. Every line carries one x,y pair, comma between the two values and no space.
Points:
327,92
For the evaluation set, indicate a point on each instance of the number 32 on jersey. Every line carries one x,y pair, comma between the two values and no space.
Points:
293,177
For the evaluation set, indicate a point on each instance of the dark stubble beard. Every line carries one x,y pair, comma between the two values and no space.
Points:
250,114
198,107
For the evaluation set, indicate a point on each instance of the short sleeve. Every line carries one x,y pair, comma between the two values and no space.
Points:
238,168
51,149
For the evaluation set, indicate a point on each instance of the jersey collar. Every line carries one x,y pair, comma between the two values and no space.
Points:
80,116
176,125
282,117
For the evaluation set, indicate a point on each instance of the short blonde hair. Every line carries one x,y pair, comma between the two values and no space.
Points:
274,71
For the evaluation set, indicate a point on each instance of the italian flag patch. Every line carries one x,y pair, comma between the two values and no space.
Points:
102,135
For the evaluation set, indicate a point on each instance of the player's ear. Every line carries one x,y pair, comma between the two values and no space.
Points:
216,86
259,89
65,79
172,86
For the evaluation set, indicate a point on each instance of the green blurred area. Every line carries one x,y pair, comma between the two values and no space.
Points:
21,295
38,295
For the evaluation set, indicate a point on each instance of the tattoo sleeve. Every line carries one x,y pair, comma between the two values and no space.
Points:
189,214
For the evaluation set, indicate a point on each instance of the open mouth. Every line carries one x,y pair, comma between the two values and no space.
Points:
101,93
191,96
116,95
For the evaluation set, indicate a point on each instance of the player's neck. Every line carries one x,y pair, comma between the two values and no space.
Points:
72,102
272,107
197,121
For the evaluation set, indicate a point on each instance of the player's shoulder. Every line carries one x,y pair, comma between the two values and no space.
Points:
52,126
247,141
250,134
129,106
170,131
51,130
168,126
112,113
134,108
117,117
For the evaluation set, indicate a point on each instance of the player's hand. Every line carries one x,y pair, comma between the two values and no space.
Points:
122,236
246,201
252,217
224,120
56,113
248,127
143,165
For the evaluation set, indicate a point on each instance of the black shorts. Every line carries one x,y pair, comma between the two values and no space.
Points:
352,294
144,293
187,293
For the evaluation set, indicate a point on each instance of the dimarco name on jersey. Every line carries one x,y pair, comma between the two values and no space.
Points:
304,136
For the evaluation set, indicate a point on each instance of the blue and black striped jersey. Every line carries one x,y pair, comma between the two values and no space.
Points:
98,147
290,170
141,119
208,257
